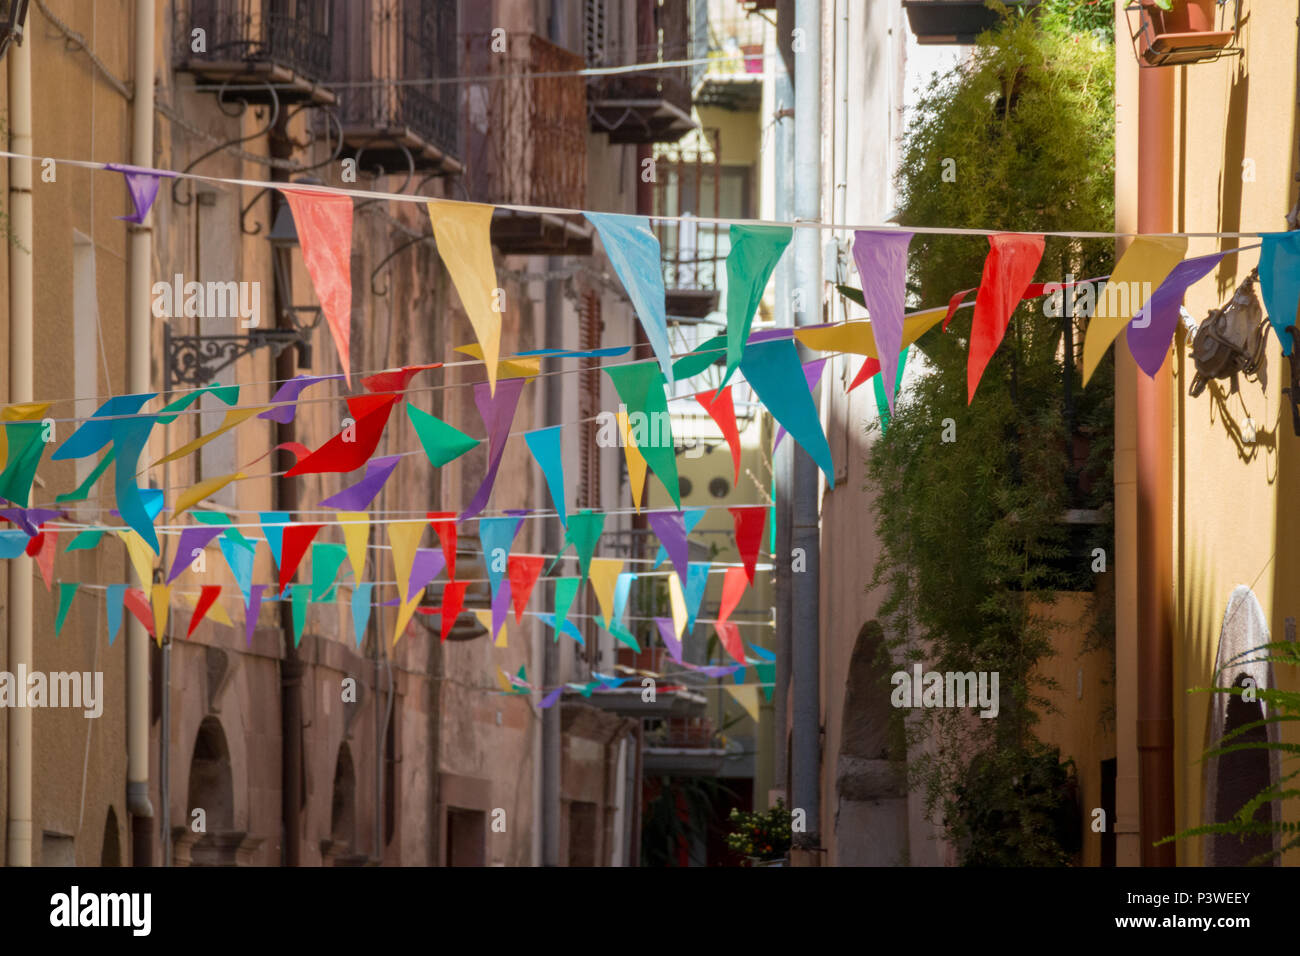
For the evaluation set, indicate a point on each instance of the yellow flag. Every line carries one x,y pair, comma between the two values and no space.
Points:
356,535
234,417
404,536
202,490
746,696
604,574
636,463
141,555
506,368
405,612
485,618
1142,268
504,682
463,232
161,594
858,339
26,412
678,601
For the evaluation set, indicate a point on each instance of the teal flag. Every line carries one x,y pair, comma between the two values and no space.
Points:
881,402
634,253
326,558
583,532
755,251
361,610
775,374
441,442
1279,282
66,593
301,594
547,452
566,589
641,388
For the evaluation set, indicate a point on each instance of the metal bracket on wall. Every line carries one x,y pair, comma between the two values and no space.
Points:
195,360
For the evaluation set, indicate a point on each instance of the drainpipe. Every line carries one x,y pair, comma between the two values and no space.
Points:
806,535
19,852
1155,704
551,727
138,380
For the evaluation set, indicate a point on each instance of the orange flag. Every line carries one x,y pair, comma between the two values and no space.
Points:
324,226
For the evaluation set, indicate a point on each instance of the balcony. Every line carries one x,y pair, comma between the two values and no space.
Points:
694,255
684,746
651,107
956,21
525,142
404,123
258,51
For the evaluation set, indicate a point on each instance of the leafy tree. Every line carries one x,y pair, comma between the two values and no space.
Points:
972,529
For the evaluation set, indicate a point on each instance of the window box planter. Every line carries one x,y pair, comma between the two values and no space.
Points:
1174,32
954,21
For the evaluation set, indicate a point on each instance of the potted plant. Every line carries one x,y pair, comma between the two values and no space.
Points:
1181,16
762,837
1174,32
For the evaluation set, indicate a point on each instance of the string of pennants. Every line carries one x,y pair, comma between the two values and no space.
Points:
768,361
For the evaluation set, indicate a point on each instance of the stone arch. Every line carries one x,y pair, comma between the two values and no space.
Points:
1233,779
110,853
211,789
343,805
872,820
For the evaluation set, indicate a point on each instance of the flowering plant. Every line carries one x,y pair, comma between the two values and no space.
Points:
764,835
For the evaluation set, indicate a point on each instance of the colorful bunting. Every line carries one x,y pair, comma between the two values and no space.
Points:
463,232
357,497
496,535
297,538
522,570
775,374
352,447
425,566
1279,282
324,226
326,559
755,251
441,442
207,597
546,449
633,251
749,521
881,258
497,410
812,372
142,187
603,574
690,518
1152,329
361,595
583,532
640,387
191,544
669,527
723,412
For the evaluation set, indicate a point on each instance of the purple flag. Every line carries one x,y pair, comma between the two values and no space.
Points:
29,519
142,184
813,373
500,607
1152,329
882,268
426,566
551,698
250,613
498,412
715,670
192,539
358,497
289,392
669,634
670,529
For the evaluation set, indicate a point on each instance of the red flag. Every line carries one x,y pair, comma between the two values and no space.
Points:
723,411
954,304
453,602
1010,265
729,635
749,534
352,447
733,589
444,523
395,379
207,597
869,368
324,226
522,570
139,605
41,548
294,542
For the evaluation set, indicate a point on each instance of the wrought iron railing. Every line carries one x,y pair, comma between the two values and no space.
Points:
292,33
525,135
663,36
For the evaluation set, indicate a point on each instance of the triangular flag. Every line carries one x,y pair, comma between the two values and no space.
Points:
141,557
877,386
359,496
88,540
749,521
565,591
776,375
355,444
93,433
1144,265
207,596
403,538
130,435
636,464
670,529
1154,325
723,411
297,538
251,612
633,251
453,602
203,490
189,547
356,535
604,574
1279,282
583,533
234,418
67,591
677,601
300,595
216,612
734,583
463,232
441,442
522,569
668,633
113,598
361,610
1008,270
425,566
136,602
161,604
812,372
272,527
690,518
444,526
326,559
142,187
395,379
495,536
497,615
729,638
755,251
547,452
284,400
697,582
746,696
881,258
240,561
324,225
640,386
44,555
498,412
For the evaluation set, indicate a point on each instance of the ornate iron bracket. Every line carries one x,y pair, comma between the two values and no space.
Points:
195,360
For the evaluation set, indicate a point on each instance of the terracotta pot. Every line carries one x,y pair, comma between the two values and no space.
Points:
1187,16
